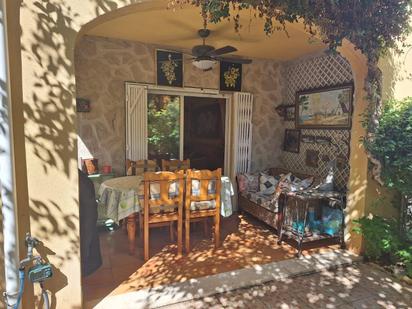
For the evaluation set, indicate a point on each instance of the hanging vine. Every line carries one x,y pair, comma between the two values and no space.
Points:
373,26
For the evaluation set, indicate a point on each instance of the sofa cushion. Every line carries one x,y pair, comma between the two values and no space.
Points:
266,201
267,184
248,182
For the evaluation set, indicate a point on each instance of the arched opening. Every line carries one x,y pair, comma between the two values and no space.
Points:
110,52
50,129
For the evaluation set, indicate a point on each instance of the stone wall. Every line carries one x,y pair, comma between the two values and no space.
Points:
102,67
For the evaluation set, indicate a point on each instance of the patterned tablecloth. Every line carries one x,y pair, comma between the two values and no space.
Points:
119,197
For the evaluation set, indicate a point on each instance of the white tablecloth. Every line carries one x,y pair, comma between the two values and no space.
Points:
119,197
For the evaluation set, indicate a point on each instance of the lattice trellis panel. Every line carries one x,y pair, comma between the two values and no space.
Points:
318,72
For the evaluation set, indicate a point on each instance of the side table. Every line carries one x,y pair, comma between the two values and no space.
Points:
298,212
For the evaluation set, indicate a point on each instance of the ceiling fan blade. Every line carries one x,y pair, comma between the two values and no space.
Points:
223,50
235,60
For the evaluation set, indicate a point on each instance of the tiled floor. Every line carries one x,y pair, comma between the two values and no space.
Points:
356,286
246,242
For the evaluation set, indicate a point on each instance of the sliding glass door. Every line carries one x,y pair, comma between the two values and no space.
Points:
164,126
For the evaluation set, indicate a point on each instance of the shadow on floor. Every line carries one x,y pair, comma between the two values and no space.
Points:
245,242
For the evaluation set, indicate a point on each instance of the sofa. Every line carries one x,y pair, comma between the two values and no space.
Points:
261,203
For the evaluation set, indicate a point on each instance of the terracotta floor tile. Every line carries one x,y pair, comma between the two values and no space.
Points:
244,242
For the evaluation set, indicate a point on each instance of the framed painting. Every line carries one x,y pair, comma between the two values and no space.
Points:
169,68
325,108
230,78
291,141
312,158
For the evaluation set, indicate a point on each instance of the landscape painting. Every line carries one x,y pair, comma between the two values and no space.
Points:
325,108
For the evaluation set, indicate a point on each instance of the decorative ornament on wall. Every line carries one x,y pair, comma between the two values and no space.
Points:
82,105
291,142
312,158
230,76
169,68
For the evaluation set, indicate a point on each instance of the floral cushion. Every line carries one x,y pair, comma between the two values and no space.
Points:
248,182
266,201
268,184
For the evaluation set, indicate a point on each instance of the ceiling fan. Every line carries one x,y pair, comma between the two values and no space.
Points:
206,56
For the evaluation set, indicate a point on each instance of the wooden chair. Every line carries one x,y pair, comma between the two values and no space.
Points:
163,204
175,165
202,200
139,167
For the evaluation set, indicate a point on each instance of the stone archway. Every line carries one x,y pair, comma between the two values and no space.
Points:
49,33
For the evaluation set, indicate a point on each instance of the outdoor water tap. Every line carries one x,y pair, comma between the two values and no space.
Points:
31,242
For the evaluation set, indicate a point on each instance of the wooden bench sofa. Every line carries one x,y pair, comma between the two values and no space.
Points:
259,207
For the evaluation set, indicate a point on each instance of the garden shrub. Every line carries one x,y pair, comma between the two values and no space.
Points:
392,145
381,237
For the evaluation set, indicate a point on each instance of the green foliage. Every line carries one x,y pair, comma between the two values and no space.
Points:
392,145
380,237
163,118
383,242
405,256
372,25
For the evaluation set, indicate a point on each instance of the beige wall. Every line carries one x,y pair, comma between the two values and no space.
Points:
46,89
102,67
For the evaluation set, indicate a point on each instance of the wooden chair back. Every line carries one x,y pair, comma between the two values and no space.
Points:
175,165
208,186
163,189
139,167
202,200
163,205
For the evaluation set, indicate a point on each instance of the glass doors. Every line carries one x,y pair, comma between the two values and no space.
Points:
163,126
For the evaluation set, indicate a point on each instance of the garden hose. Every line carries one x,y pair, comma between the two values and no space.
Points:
22,275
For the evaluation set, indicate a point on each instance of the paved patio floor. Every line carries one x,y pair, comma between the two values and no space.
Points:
356,286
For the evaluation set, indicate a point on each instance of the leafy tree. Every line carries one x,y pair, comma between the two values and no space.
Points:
163,126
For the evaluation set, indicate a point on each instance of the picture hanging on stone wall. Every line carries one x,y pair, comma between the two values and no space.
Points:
325,108
291,141
312,158
169,68
230,76
82,105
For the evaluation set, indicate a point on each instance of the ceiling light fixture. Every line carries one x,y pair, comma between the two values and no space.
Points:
204,64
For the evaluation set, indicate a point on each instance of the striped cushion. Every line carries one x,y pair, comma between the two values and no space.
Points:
203,205
155,195
140,166
211,187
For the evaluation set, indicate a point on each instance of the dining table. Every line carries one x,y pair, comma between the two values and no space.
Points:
121,198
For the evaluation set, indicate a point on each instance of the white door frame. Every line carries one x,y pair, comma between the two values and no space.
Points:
199,92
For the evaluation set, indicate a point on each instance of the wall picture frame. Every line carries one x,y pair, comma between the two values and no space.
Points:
230,76
82,105
312,158
291,142
169,68
324,108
